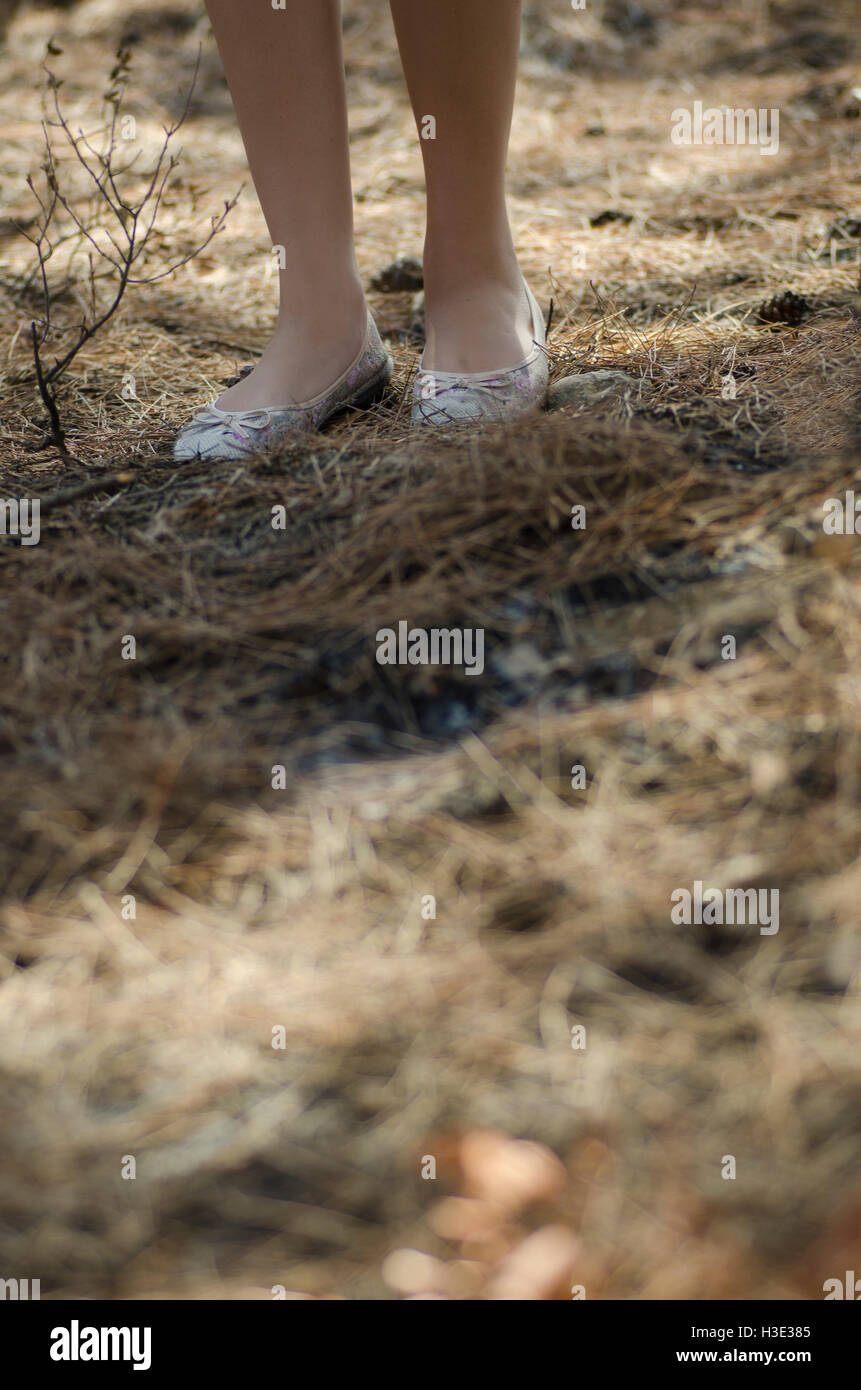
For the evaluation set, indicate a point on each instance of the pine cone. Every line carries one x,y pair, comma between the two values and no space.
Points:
240,376
788,307
404,273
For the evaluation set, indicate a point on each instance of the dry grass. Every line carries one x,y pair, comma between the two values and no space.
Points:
255,909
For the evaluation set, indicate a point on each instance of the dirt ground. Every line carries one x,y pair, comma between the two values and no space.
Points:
418,1023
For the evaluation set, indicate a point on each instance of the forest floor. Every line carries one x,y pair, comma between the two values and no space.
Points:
436,948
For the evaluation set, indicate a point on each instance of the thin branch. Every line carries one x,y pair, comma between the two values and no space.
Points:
129,231
87,489
58,437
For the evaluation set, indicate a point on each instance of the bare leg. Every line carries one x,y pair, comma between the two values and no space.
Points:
286,75
460,61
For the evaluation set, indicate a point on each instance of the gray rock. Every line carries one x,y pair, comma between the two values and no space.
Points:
587,388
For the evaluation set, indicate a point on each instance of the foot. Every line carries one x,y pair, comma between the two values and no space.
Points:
487,395
480,324
308,351
217,432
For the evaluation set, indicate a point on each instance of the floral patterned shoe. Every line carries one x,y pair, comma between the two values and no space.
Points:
467,398
235,434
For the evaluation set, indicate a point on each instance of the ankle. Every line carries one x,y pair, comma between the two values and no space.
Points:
484,243
334,305
463,274
455,291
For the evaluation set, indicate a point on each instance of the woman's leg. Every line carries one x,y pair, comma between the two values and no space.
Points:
286,75
460,60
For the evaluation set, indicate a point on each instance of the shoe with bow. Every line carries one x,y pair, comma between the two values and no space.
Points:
469,398
214,433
